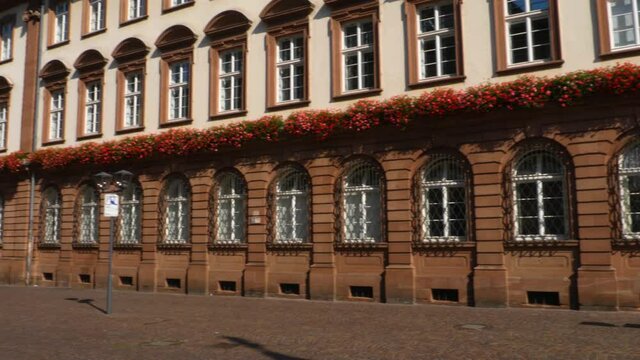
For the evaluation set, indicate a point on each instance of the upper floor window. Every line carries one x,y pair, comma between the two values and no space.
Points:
179,2
179,90
6,39
231,63
539,193
290,68
358,55
136,9
93,108
362,214
97,15
292,207
90,65
54,76
4,116
50,216
175,207
133,99
230,209
88,215
437,40
171,4
444,200
624,24
56,116
528,30
130,222
59,16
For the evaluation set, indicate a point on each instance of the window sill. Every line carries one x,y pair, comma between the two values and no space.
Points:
289,247
288,105
133,21
129,130
93,33
177,7
614,54
52,142
519,69
2,62
356,94
85,246
449,244
49,246
177,122
58,44
227,247
163,246
626,244
360,246
121,246
228,115
3,150
426,83
527,244
89,136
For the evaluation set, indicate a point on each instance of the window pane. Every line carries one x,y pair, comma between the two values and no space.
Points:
427,19
516,6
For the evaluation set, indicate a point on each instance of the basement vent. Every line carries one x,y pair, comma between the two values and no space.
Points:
227,286
444,295
290,289
126,280
173,283
47,276
543,298
85,278
362,292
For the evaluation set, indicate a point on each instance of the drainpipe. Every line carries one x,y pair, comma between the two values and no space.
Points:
32,181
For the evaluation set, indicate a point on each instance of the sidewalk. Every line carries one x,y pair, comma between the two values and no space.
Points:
38,323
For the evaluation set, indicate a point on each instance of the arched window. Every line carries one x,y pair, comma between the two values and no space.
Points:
130,215
292,207
177,202
539,194
362,203
88,215
51,206
444,200
1,219
629,172
230,218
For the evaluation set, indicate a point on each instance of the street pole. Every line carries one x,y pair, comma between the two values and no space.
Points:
109,276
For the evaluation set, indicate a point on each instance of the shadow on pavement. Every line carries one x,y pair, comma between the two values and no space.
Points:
88,302
258,347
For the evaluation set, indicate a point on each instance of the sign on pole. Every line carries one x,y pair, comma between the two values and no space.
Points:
111,205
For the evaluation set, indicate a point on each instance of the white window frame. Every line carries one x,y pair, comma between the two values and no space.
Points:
56,115
539,179
438,34
292,65
97,15
4,117
93,107
61,11
136,9
182,88
232,191
528,16
89,216
360,50
363,190
636,21
299,202
234,76
445,184
179,2
177,193
6,38
52,209
133,112
131,209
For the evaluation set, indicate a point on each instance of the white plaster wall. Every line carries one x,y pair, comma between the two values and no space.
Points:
577,30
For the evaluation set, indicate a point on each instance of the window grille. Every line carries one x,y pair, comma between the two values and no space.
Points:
62,21
629,178
87,215
444,200
130,221
175,211
93,108
528,31
290,68
50,212
624,23
56,115
539,193
230,209
436,37
292,207
97,15
179,90
133,100
231,63
362,215
358,55
4,110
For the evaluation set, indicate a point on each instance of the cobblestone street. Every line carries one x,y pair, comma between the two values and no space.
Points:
38,323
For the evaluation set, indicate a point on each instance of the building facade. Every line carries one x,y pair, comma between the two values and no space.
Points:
524,207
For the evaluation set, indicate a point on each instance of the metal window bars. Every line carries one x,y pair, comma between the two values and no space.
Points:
629,179
230,209
291,207
175,211
129,224
50,216
361,208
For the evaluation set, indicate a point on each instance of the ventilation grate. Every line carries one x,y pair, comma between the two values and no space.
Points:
543,298
444,295
362,292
